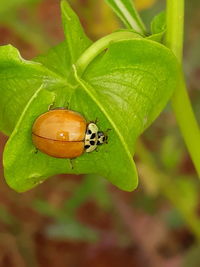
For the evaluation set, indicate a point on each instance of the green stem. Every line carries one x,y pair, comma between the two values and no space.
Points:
180,102
175,27
99,46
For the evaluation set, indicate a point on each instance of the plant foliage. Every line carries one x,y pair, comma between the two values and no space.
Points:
124,86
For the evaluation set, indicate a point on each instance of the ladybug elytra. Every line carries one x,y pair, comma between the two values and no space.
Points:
64,133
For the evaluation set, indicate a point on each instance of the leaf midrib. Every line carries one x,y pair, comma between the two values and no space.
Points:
121,138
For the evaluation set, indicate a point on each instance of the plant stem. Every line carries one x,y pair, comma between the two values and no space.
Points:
99,46
180,102
175,27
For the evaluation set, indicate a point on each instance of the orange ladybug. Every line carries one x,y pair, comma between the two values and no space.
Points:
64,133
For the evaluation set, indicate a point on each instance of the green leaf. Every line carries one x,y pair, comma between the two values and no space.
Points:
158,23
92,186
72,230
19,80
137,75
65,226
57,59
126,11
125,88
158,27
76,39
47,209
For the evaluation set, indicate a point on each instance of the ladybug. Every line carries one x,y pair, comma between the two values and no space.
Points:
64,133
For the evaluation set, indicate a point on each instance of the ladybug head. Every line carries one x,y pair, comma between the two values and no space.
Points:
102,138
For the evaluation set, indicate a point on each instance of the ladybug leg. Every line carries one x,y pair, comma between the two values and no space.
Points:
71,162
36,151
51,106
67,106
95,121
108,130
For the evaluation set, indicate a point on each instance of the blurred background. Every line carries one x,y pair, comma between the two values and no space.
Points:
79,221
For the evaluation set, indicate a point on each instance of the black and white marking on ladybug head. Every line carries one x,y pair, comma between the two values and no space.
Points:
101,138
93,137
